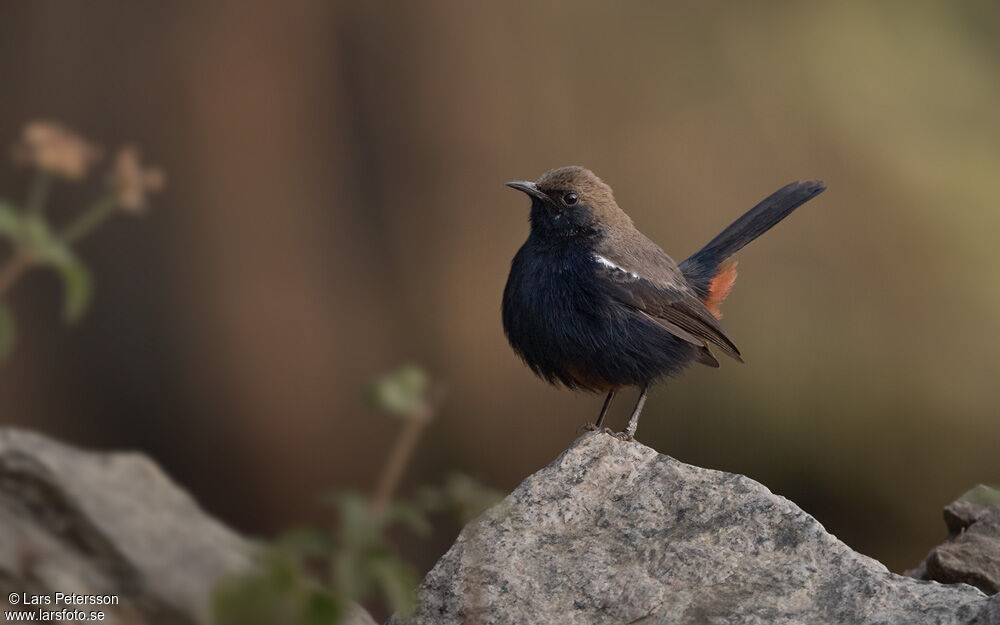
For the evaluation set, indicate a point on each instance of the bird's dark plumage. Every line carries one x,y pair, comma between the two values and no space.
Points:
592,303
703,265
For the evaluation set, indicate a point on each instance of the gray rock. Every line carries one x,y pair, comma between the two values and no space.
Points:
109,524
972,552
615,533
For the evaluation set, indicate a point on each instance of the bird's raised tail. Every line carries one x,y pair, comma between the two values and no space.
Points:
702,268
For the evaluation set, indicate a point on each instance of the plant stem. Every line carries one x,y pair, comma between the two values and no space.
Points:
38,193
92,218
402,450
13,269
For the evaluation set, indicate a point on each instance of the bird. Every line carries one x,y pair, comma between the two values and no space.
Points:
592,304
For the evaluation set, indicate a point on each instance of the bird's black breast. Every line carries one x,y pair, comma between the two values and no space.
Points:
568,330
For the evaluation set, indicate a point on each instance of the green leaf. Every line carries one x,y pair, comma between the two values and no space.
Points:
304,543
11,222
402,392
462,496
277,591
34,234
6,332
320,608
77,289
409,516
397,582
77,283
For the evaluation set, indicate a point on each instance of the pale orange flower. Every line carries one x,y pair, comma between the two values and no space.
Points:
56,150
131,182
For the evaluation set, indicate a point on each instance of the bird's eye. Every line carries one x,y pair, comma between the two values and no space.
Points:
570,199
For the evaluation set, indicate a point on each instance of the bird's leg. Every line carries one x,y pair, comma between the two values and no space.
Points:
604,412
633,422
604,409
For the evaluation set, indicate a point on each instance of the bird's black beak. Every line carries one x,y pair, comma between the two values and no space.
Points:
528,187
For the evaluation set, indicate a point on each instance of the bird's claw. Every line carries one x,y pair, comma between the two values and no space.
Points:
592,427
623,436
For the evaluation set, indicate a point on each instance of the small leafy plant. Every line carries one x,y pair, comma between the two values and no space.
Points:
56,154
313,577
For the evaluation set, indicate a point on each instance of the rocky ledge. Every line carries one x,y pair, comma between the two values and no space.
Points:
610,532
614,532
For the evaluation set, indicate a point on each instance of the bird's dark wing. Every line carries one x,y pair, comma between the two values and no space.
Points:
675,308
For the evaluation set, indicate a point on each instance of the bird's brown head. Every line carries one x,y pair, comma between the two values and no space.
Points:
571,201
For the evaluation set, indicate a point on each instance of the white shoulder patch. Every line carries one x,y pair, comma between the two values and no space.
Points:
608,263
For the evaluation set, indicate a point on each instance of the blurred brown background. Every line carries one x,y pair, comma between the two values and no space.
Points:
336,207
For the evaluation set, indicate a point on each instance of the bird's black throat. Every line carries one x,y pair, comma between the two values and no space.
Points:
571,225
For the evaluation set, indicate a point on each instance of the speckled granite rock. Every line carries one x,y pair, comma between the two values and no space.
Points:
972,552
614,533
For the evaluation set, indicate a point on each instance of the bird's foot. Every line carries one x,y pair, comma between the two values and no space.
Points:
628,437
592,427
